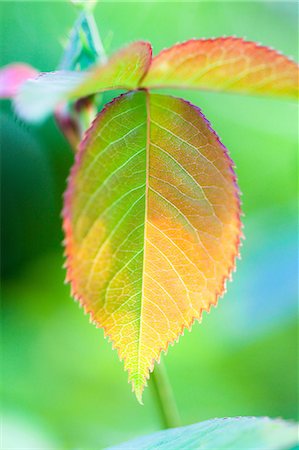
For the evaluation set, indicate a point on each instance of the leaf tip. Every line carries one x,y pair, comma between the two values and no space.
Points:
138,383
139,396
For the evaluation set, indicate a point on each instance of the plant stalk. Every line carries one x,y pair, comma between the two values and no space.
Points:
165,398
76,119
97,41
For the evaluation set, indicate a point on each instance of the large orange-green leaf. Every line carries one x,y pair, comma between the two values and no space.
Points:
152,224
124,70
226,64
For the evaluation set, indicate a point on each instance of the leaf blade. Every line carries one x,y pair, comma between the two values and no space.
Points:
125,68
39,97
152,224
230,433
224,64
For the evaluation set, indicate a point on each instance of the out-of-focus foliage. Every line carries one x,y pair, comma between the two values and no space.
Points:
229,433
61,382
13,76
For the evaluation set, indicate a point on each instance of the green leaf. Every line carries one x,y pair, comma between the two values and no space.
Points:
239,433
152,223
39,97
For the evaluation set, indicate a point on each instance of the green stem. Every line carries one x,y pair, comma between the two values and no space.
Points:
84,48
85,112
165,398
97,41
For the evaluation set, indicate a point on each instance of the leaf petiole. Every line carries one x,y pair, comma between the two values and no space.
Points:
165,398
95,37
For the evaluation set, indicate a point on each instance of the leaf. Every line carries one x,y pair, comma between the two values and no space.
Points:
260,433
39,96
13,76
225,64
152,224
124,70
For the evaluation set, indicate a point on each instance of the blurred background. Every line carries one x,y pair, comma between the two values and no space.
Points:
62,385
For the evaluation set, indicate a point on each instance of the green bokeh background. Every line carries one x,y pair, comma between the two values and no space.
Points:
62,385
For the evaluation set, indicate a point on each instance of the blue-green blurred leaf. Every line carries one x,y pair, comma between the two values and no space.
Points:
237,433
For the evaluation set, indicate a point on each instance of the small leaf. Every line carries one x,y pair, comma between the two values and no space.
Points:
260,433
224,64
152,223
124,70
13,76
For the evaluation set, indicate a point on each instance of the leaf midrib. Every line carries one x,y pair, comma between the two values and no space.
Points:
147,101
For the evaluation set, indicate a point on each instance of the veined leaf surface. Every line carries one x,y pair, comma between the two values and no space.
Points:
39,97
225,64
152,224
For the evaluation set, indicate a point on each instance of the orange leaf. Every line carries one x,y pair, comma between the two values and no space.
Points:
152,224
224,64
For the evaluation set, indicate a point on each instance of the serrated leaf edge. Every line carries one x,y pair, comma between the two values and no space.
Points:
68,244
